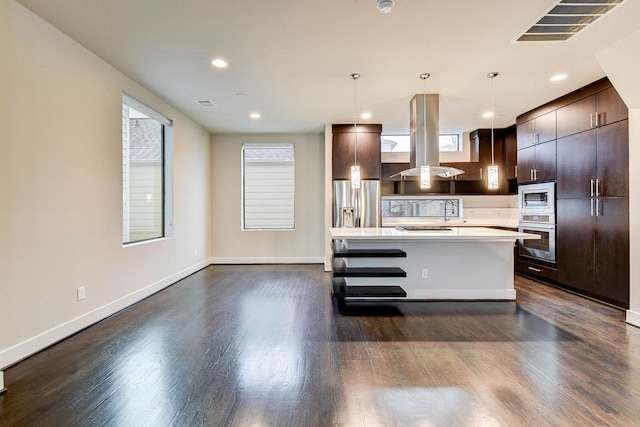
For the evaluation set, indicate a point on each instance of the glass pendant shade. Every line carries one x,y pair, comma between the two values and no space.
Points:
425,177
355,177
492,175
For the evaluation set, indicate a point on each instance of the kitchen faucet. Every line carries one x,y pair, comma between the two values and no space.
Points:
453,204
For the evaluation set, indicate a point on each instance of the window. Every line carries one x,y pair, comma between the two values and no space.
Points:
401,143
450,142
268,177
147,154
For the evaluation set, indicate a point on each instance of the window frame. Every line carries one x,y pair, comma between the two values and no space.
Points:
166,162
405,140
458,145
265,145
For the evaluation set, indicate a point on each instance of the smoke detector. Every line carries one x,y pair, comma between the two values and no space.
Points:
385,6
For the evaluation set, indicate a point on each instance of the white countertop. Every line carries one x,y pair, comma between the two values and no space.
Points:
454,234
453,222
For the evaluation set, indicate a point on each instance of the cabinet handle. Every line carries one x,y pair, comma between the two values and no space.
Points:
592,199
597,119
591,121
597,187
533,139
535,174
515,170
598,207
537,270
591,192
530,174
480,173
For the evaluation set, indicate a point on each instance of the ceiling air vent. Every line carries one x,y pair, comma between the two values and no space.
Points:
206,104
566,18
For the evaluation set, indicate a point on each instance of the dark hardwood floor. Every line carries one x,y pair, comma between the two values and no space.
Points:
265,346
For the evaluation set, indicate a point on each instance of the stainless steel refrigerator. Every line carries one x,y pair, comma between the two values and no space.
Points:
356,207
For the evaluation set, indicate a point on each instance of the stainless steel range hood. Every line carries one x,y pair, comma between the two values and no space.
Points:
425,138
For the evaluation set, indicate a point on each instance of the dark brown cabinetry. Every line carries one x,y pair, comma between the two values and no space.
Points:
613,160
593,251
537,162
591,169
537,130
594,163
502,153
510,155
593,212
601,109
577,159
367,156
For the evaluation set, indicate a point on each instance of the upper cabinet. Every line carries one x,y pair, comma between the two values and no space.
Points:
367,155
510,154
594,163
537,163
558,125
537,130
600,109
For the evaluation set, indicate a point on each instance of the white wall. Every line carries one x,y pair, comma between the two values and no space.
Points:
231,245
622,64
61,191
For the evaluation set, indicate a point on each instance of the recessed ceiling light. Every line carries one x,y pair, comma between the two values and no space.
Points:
255,115
558,77
366,115
220,63
487,115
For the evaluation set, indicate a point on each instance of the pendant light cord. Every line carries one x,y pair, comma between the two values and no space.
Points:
424,77
424,118
355,77
493,115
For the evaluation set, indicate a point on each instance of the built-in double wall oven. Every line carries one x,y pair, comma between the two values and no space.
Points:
537,204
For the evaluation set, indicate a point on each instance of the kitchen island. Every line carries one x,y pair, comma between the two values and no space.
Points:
439,263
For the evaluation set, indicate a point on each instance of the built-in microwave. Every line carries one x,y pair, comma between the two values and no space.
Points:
537,203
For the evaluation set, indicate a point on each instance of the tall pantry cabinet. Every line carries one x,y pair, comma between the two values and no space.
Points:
593,196
592,192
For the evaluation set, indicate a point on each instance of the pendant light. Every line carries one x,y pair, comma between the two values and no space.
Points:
493,182
425,170
355,169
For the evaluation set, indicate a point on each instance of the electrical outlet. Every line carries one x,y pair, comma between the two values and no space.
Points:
81,293
425,273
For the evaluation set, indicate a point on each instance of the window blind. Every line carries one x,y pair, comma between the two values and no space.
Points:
268,186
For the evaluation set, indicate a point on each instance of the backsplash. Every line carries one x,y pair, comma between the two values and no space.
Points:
472,210
422,207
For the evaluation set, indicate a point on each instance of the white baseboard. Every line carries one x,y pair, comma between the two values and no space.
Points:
633,318
267,260
41,341
2,389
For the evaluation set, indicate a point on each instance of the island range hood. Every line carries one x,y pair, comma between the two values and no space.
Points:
425,138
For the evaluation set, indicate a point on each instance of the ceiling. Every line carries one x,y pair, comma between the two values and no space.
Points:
290,60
